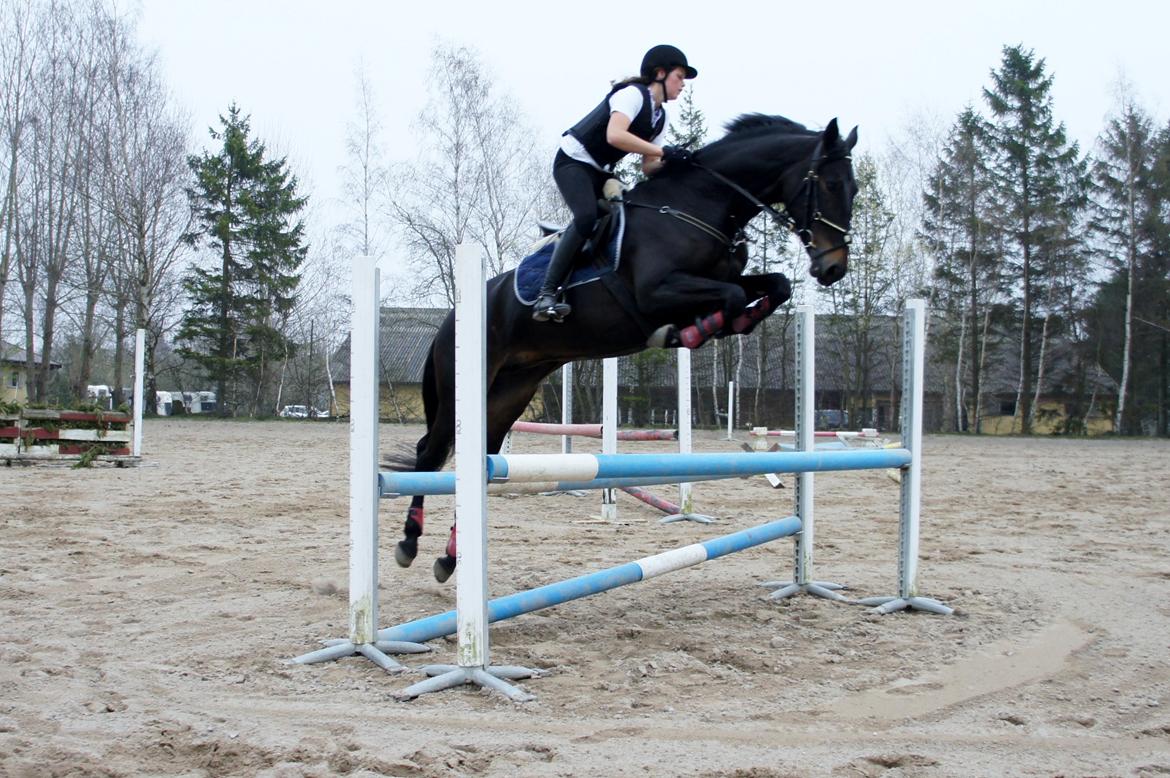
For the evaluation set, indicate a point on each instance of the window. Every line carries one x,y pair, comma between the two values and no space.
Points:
14,379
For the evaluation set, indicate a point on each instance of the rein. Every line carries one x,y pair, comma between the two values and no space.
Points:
808,186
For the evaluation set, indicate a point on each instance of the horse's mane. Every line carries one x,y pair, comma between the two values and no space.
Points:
756,123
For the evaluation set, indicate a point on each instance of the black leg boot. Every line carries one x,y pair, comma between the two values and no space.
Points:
546,306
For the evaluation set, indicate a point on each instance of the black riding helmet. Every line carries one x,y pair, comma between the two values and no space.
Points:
667,58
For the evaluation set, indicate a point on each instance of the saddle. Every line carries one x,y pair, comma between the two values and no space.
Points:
602,252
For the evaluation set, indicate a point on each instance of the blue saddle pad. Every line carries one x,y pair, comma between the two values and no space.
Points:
530,273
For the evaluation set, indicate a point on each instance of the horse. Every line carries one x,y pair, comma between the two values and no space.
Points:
680,280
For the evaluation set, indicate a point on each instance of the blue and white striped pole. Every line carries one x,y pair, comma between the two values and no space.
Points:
513,605
599,471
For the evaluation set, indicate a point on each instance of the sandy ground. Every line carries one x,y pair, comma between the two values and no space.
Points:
146,616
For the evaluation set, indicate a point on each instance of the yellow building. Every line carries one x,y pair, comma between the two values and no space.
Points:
13,386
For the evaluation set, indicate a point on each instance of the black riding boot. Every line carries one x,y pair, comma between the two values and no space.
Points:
546,306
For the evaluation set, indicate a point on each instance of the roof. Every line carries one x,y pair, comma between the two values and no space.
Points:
18,356
404,340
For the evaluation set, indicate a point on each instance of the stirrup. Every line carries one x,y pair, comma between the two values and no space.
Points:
556,311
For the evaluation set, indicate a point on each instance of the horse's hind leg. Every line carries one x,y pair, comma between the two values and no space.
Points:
428,459
434,447
510,393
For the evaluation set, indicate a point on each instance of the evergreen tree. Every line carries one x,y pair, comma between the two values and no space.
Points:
688,127
1121,177
1040,181
1158,280
1129,216
245,211
865,293
955,227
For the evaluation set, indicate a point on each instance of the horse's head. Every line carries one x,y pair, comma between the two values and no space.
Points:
822,206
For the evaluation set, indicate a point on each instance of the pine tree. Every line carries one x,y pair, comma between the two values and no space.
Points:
1121,173
866,291
1129,175
688,127
1040,185
245,210
956,229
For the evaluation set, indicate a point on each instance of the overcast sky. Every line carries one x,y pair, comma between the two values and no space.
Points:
291,63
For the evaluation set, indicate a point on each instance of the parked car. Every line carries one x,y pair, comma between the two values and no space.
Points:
294,412
831,419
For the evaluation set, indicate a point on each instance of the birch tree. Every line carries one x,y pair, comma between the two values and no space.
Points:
1121,172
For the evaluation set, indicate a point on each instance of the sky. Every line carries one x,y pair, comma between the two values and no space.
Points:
291,64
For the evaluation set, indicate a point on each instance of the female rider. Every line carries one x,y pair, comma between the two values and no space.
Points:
630,120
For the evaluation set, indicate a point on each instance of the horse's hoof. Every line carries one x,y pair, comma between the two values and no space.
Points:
444,566
405,552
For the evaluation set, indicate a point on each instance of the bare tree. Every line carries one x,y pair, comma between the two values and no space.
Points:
145,160
57,164
474,180
365,174
18,63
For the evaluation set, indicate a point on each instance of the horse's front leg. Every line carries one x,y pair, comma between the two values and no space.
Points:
681,296
768,291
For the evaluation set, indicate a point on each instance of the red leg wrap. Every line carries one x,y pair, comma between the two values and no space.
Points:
697,334
757,312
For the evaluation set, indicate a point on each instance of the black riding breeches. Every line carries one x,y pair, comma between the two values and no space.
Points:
580,184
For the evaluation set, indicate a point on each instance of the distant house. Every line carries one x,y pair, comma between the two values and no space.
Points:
404,340
1068,397
648,381
846,360
12,371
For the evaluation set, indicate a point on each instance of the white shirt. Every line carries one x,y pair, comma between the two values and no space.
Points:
627,101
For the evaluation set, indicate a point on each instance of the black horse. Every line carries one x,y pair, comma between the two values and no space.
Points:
682,261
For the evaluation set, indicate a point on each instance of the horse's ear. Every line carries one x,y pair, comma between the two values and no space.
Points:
831,135
851,141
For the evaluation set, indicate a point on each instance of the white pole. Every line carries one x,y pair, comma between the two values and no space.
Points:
363,454
913,363
139,388
730,408
913,380
685,501
609,425
567,405
471,591
471,552
805,440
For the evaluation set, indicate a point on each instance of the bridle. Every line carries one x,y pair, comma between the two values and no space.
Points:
802,230
812,210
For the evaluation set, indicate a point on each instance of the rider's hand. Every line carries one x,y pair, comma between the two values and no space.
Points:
676,155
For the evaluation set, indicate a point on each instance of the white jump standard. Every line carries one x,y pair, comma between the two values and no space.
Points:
913,375
363,486
805,392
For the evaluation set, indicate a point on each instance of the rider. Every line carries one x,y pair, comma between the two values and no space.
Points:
630,119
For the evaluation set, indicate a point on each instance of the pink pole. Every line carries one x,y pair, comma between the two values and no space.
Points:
540,428
666,506
590,431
